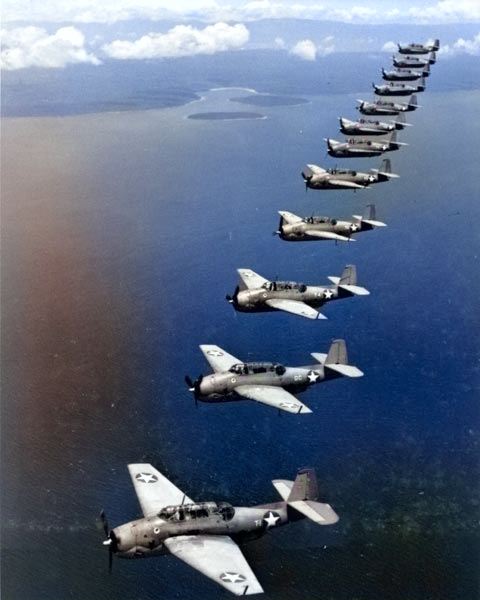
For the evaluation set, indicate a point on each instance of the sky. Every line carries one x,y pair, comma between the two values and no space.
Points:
50,34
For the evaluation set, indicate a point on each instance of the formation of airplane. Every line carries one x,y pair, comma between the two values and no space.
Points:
257,294
305,229
370,127
393,88
269,383
363,146
418,48
205,535
318,178
387,107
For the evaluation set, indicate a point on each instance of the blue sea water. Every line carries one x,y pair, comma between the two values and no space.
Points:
119,242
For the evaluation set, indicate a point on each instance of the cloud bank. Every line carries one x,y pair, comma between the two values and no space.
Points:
308,50
182,40
212,11
24,47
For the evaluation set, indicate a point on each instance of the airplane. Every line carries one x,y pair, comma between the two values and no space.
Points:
205,535
386,107
298,229
418,48
257,294
267,382
318,178
414,62
369,127
398,89
405,74
362,147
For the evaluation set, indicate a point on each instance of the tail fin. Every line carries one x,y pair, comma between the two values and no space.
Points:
369,217
337,360
426,70
412,103
421,85
385,171
436,46
432,58
302,494
347,283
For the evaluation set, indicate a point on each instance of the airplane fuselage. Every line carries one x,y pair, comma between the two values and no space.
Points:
397,89
382,107
412,62
255,300
402,75
361,147
219,387
146,537
364,126
416,49
332,180
298,232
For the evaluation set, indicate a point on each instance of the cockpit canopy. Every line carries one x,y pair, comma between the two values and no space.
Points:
336,171
257,367
284,285
185,512
313,220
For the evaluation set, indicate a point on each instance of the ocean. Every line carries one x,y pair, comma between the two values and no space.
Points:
121,234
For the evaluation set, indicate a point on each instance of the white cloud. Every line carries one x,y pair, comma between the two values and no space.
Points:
462,46
182,40
305,49
389,47
24,47
308,50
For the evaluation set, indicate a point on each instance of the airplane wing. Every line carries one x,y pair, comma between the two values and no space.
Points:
344,183
316,169
290,217
219,558
154,491
251,279
273,396
217,358
295,307
329,235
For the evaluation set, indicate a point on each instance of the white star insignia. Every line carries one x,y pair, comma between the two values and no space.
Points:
313,376
271,519
214,353
353,227
146,477
328,294
232,577
288,404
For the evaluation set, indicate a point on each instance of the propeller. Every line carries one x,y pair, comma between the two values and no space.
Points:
110,540
194,386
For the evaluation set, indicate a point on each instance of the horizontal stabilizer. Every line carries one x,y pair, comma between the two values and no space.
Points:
357,290
319,357
371,222
345,370
322,514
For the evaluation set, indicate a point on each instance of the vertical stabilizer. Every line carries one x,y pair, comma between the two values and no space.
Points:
337,354
305,486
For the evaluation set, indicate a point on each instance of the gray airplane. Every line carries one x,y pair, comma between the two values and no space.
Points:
205,534
405,74
257,294
387,107
414,62
267,382
369,127
362,147
317,178
418,48
298,229
398,89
